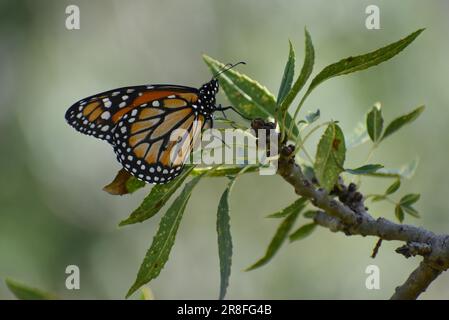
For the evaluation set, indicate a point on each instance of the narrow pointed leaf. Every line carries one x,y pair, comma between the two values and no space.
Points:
406,171
146,294
401,121
164,239
374,123
287,78
306,70
362,62
366,169
399,213
309,172
302,232
133,184
409,199
411,211
24,292
330,156
378,197
245,94
296,206
158,197
357,137
393,187
223,171
224,233
310,214
224,240
277,241
311,117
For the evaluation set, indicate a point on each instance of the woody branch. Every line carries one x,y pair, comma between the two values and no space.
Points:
343,210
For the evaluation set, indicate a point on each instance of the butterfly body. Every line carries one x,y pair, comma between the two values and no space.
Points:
140,121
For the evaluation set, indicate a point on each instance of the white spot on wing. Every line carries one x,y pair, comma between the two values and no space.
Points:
105,115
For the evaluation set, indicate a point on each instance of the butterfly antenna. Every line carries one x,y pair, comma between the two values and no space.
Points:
227,67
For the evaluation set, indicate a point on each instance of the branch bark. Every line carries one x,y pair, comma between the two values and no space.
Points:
349,215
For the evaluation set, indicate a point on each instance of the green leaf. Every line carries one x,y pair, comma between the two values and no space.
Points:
401,121
222,171
393,187
146,294
366,169
224,240
296,206
399,213
245,94
158,254
411,211
409,199
307,67
378,197
362,62
309,172
358,136
310,214
157,198
24,292
375,122
303,232
311,117
406,171
277,241
133,184
287,78
330,156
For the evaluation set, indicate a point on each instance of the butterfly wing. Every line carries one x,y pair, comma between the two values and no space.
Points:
154,140
97,115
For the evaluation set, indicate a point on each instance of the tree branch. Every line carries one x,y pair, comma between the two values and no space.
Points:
349,215
417,282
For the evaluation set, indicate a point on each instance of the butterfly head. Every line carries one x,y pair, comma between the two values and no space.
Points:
209,90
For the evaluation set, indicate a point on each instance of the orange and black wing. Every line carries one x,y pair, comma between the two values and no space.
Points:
154,140
97,115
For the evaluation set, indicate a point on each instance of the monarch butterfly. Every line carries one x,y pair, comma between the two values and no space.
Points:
139,121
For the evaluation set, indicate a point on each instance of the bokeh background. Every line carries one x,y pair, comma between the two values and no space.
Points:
53,212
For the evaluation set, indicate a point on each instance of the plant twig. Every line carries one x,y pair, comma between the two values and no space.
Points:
352,218
417,282
376,248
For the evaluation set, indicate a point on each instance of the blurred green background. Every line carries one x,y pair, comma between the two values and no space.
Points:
53,212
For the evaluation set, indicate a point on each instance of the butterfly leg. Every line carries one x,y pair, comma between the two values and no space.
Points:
210,126
233,109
